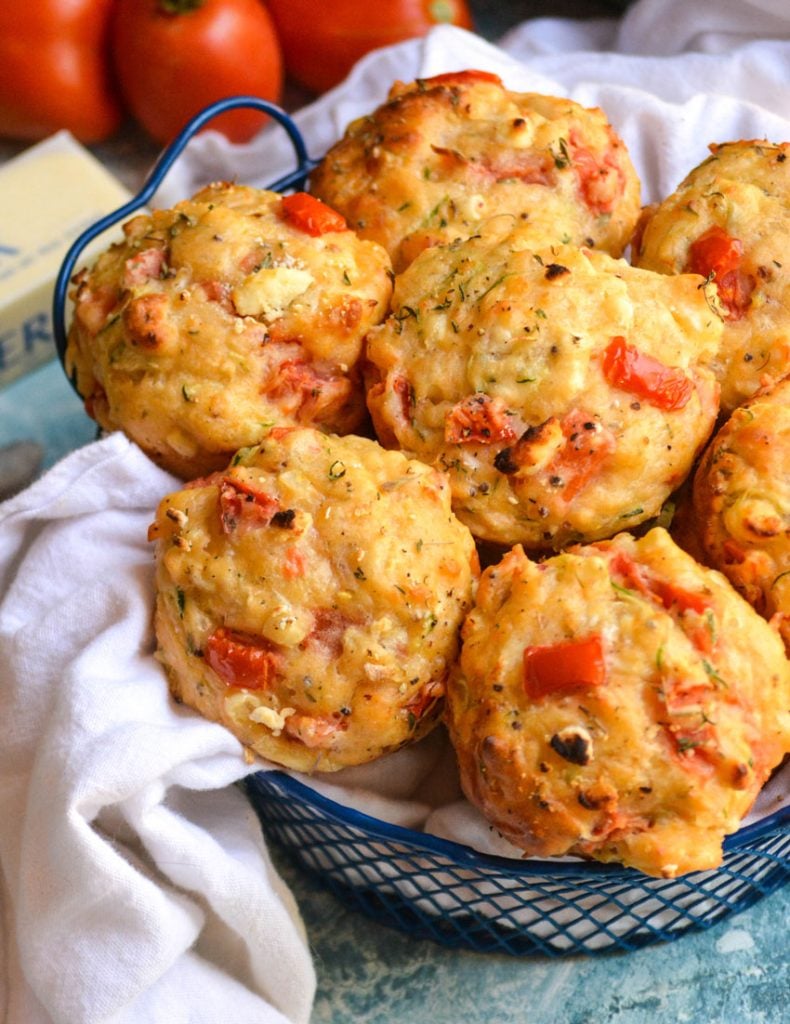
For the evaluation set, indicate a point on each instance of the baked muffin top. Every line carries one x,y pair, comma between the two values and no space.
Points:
310,597
445,153
236,310
565,392
617,701
740,510
729,220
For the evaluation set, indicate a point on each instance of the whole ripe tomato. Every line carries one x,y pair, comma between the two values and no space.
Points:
173,57
321,41
54,71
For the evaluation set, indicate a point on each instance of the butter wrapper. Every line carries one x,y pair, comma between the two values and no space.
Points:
48,195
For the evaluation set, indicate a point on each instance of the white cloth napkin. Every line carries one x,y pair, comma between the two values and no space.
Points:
123,842
137,887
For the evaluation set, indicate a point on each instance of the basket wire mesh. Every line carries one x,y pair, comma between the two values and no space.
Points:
439,890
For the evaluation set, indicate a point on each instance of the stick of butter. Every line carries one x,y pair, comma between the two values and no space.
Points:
48,195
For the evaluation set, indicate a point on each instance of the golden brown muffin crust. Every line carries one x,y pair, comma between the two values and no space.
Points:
220,317
444,153
740,512
730,220
565,393
617,701
310,597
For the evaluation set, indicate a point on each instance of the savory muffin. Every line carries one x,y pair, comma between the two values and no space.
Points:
235,310
730,220
565,393
444,153
617,701
309,597
739,517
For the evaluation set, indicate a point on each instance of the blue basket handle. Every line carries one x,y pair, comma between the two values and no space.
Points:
163,164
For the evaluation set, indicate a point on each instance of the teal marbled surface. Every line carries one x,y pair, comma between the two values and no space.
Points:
737,972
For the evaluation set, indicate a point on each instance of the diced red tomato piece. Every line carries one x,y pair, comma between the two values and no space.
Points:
426,699
218,291
462,77
144,266
563,667
478,419
304,391
311,215
403,389
294,563
526,166
601,181
718,254
628,573
587,446
671,596
329,627
639,374
684,600
241,660
668,593
243,507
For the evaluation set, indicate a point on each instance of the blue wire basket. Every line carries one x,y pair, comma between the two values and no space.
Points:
434,889
439,890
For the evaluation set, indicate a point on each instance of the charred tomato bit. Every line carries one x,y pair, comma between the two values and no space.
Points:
405,392
573,744
426,699
284,518
243,507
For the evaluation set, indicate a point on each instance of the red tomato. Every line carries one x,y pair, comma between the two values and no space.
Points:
668,593
240,660
321,42
662,386
601,179
174,57
558,668
242,508
53,69
717,254
311,215
588,444
463,78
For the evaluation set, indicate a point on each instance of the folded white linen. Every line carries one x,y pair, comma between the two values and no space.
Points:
123,841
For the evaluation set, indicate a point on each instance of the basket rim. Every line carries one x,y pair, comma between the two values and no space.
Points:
467,856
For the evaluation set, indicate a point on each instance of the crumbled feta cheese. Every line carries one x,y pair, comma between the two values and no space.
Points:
271,718
269,291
